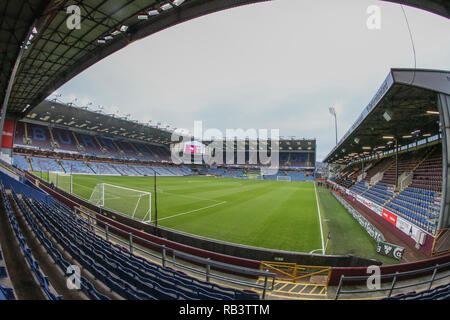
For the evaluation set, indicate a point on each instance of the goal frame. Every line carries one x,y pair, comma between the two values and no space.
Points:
287,178
56,182
101,200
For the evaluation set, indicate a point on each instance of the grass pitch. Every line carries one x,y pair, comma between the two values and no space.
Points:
269,214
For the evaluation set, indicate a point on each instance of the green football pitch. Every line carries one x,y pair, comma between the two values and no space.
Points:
270,214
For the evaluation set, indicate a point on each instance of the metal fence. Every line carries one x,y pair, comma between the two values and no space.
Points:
396,277
169,255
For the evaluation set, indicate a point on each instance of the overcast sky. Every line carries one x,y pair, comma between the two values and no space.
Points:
275,65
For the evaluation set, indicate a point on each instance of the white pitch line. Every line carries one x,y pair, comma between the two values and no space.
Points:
188,196
195,210
320,219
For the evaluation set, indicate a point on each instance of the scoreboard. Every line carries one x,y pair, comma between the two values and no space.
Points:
194,147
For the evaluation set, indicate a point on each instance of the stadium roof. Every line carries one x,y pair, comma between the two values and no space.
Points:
54,113
440,7
404,108
57,114
56,53
53,53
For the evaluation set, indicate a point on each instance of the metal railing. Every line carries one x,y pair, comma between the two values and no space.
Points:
169,255
395,278
297,273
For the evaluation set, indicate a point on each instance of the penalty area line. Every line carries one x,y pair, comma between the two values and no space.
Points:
191,211
320,220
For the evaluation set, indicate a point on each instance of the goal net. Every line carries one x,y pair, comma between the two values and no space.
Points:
283,178
61,180
135,203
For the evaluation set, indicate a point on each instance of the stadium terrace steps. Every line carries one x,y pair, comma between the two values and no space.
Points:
6,290
44,164
128,275
441,292
380,166
389,231
38,285
419,201
33,232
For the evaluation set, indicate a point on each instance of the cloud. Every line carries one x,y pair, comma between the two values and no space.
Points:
279,64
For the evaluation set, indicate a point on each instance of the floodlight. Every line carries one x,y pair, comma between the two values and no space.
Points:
387,115
166,6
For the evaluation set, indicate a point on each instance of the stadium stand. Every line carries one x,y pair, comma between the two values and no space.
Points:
418,201
130,276
441,292
32,263
74,166
6,293
44,138
95,166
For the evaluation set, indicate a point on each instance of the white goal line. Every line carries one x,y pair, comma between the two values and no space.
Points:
124,188
187,196
191,211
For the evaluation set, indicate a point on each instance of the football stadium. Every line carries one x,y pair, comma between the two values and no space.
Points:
95,206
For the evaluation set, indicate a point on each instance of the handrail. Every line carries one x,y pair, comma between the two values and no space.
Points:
395,277
207,262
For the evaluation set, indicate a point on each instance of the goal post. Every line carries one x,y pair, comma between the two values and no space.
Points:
135,203
61,180
251,175
284,178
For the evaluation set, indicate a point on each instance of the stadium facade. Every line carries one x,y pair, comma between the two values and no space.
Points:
394,158
391,167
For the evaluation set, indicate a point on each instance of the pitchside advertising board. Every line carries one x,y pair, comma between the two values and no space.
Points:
370,204
383,247
413,231
8,134
390,250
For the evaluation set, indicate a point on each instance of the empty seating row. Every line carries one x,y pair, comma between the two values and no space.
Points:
412,217
441,292
46,138
39,164
5,292
85,285
123,272
32,263
114,260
